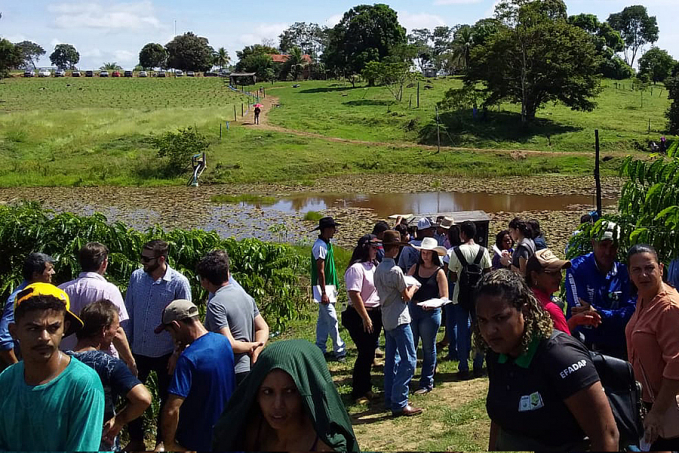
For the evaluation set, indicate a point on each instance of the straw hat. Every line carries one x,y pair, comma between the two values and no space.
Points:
431,244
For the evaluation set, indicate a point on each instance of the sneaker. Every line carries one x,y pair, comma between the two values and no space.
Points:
423,391
341,358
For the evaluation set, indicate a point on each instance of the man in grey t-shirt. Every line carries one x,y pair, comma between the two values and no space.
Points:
232,313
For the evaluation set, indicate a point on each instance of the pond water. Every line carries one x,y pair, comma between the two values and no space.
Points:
384,205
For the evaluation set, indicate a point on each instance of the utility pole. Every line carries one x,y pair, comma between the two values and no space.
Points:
438,132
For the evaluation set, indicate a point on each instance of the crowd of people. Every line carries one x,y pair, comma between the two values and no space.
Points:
79,355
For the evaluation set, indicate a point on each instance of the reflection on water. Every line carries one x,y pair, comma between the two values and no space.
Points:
406,203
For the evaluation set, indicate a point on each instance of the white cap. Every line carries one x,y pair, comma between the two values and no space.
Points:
611,232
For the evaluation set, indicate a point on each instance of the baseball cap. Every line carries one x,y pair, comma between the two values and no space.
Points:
47,289
546,260
424,223
611,232
176,311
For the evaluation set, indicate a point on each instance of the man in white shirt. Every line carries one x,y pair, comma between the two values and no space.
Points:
91,286
475,257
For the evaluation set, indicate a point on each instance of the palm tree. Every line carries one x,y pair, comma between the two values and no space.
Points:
296,62
111,67
463,42
221,58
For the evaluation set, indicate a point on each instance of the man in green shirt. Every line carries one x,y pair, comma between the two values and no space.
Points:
324,278
50,401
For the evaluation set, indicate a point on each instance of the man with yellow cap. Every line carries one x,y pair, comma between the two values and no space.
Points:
50,401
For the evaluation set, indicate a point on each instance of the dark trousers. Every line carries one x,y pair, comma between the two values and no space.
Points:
365,343
145,365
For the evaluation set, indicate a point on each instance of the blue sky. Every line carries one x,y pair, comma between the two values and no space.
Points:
105,31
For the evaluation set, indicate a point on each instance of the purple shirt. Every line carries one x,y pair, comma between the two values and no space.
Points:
87,288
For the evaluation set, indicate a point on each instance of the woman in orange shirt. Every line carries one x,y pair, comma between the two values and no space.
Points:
653,343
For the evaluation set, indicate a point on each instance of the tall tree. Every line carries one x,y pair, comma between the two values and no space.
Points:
657,64
10,57
221,58
463,42
607,42
636,28
30,53
153,55
365,33
256,49
257,59
311,38
420,39
190,53
65,56
534,58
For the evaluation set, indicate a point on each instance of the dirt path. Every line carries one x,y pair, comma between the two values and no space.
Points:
271,102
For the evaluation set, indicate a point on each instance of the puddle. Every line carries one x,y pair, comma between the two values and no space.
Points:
384,205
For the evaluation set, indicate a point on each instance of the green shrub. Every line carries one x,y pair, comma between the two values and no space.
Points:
177,148
313,216
268,272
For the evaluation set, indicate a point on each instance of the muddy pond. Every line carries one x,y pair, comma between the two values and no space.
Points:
281,219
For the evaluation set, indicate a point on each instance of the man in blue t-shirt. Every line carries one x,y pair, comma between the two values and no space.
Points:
203,379
597,282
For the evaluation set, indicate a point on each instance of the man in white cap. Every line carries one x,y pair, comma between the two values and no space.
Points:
410,256
597,282
203,379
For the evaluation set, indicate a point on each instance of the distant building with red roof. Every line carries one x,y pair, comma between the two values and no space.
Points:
282,58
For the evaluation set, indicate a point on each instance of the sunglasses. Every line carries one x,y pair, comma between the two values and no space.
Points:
146,259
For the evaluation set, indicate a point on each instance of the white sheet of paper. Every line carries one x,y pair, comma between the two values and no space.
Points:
411,281
330,290
434,303
405,216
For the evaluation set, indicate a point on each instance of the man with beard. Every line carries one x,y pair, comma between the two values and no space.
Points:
49,401
151,289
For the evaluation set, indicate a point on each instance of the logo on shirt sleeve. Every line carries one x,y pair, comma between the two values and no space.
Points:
531,402
572,368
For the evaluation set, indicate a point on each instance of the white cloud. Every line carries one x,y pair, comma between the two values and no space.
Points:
124,56
16,38
55,41
91,53
419,20
106,17
333,20
262,32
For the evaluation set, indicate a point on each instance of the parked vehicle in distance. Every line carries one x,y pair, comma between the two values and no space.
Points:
44,73
103,73
178,73
161,74
143,74
89,73
129,74
190,74
29,73
224,73
116,74
59,73
210,74
75,74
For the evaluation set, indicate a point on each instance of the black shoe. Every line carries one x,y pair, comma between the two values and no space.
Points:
480,373
463,375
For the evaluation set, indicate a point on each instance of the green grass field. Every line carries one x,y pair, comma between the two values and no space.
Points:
363,113
90,131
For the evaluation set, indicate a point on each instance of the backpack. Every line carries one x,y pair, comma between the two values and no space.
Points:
624,396
469,278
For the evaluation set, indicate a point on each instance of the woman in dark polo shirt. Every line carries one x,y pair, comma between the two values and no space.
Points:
544,391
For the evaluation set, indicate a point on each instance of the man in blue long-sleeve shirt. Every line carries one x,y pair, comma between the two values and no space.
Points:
599,283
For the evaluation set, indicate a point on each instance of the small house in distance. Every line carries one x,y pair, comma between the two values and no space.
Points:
242,78
429,71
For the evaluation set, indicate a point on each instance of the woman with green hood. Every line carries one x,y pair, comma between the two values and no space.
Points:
287,402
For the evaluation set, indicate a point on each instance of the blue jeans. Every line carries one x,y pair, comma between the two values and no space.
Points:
399,366
451,330
425,325
327,326
464,340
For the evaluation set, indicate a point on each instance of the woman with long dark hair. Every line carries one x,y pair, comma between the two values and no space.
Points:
544,392
363,318
504,248
522,233
425,322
